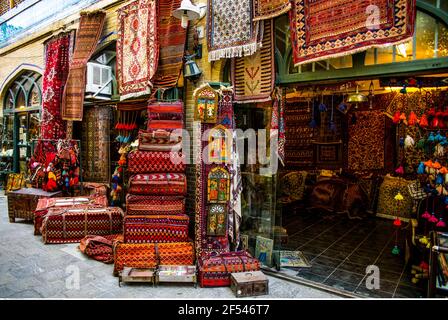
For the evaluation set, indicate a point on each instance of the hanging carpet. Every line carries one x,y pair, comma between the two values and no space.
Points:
89,31
267,9
322,29
253,76
137,48
230,29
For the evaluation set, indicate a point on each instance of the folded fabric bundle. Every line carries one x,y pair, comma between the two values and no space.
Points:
160,140
149,255
156,228
166,111
160,161
158,184
62,225
215,270
154,205
44,204
100,247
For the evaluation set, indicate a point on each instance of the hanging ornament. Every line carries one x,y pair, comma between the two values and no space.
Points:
423,123
441,223
421,168
399,170
396,250
313,123
332,124
322,106
397,222
433,218
409,142
413,120
396,117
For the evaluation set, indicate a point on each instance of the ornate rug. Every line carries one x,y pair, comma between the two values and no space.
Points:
268,9
366,141
95,144
89,31
58,51
322,29
100,247
172,45
137,48
170,184
154,205
230,29
155,162
253,76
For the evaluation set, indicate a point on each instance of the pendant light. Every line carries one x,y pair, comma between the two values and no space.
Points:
357,97
187,12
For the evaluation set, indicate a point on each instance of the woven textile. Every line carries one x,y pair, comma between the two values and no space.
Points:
160,140
154,205
71,225
149,255
158,184
172,45
230,30
366,141
57,60
44,204
166,111
137,48
148,162
322,29
95,144
388,207
254,75
156,228
214,271
89,31
99,247
267,9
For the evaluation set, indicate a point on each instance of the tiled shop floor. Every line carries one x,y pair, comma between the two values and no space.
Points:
340,250
30,269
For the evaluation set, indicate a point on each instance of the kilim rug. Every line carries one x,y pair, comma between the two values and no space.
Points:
230,29
95,144
58,51
155,161
172,45
322,29
137,48
366,141
99,247
89,31
267,9
253,76
160,184
154,205
156,228
62,225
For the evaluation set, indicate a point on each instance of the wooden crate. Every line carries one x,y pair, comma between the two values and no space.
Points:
136,275
22,203
183,274
249,284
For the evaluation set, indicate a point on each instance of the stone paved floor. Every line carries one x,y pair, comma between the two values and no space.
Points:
30,269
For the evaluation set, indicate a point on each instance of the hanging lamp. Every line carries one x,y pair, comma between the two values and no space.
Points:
357,97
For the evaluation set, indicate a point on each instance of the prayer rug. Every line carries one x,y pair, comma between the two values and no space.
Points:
137,48
230,30
152,161
156,228
58,51
366,141
95,144
154,205
268,9
172,45
322,29
62,225
89,31
158,184
253,76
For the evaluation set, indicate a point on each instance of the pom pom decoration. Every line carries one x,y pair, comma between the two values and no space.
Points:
423,123
413,120
441,223
397,222
421,168
409,142
396,250
396,117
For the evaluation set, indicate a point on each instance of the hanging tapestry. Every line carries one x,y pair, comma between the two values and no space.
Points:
156,229
218,185
155,161
95,144
230,29
154,205
217,220
174,184
278,123
268,9
366,141
57,60
89,31
219,145
205,104
322,29
172,45
253,76
137,48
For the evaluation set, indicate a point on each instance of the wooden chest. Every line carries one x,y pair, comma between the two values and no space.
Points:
249,284
23,202
185,274
136,275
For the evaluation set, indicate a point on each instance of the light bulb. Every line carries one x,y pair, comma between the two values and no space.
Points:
184,22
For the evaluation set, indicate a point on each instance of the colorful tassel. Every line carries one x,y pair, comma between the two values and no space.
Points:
396,250
421,168
409,142
421,143
413,120
426,215
433,218
423,123
396,117
399,170
397,222
441,223
439,179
